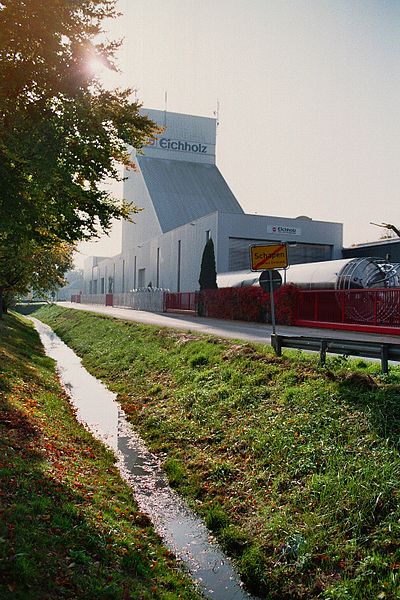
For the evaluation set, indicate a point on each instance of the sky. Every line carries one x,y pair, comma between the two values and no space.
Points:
308,94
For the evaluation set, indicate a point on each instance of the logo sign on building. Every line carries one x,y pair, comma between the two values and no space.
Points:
179,145
283,230
273,256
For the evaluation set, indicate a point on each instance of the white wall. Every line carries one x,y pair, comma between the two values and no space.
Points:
145,225
185,128
193,237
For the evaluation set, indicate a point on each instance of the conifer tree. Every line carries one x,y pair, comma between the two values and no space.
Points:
208,272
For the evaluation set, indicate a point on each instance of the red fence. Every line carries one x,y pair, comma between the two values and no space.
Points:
362,308
180,301
374,310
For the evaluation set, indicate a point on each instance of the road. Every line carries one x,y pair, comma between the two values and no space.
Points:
255,332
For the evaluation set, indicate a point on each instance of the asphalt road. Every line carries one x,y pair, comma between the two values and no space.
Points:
256,332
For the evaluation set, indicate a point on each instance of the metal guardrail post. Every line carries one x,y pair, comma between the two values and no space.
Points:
276,344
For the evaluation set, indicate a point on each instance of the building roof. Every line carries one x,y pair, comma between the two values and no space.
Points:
183,191
381,242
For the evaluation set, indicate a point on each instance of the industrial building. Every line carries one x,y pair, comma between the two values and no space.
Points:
185,201
388,249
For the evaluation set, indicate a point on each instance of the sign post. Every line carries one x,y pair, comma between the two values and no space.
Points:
270,281
272,299
268,258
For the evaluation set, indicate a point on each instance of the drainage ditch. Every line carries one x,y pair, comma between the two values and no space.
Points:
182,531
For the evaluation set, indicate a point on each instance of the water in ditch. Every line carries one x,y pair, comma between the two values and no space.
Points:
182,532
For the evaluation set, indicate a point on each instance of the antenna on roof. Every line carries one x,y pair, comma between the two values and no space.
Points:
165,107
216,112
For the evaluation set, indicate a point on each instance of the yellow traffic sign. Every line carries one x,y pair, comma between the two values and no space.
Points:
273,256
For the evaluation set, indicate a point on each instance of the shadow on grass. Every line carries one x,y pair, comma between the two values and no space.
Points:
19,344
379,402
68,526
29,308
49,548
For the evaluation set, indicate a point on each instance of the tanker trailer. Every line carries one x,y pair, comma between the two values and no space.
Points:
343,274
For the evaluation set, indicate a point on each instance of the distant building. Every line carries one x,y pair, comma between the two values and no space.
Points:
75,285
185,201
388,249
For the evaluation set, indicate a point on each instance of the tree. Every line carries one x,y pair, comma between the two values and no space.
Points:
61,133
208,272
33,267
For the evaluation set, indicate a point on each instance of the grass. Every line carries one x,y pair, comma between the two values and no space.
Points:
69,527
294,466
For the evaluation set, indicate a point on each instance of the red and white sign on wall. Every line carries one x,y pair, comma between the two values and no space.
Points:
283,230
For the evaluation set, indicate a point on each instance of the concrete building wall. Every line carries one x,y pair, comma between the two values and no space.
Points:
237,232
185,137
173,260
145,224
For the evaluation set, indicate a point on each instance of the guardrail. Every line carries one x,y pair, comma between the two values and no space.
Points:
381,351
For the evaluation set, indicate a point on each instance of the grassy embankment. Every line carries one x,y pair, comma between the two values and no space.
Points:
69,527
295,467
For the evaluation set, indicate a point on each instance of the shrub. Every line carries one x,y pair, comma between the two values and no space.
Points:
250,304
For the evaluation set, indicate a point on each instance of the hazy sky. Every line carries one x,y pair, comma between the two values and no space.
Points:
309,96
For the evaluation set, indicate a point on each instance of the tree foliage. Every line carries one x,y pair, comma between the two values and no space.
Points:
208,272
31,267
61,133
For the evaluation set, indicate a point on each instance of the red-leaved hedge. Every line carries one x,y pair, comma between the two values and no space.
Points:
249,304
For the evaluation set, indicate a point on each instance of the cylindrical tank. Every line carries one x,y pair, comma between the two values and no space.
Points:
349,273
345,274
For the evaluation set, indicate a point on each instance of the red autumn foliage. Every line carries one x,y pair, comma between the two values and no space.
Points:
250,304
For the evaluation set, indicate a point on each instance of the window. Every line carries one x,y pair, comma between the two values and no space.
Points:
141,278
208,232
102,285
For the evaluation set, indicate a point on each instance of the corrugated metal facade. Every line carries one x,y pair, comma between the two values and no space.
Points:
183,191
298,253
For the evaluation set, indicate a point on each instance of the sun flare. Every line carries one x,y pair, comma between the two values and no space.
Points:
95,65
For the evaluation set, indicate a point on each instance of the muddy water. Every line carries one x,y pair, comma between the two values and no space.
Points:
183,533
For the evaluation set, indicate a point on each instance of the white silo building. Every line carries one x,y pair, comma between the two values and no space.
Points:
185,201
